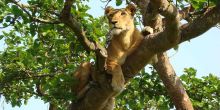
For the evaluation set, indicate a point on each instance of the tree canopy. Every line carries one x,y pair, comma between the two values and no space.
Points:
46,40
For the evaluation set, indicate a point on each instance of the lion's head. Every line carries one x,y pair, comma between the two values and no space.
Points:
120,20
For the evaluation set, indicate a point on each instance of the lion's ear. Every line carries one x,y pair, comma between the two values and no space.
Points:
131,8
108,9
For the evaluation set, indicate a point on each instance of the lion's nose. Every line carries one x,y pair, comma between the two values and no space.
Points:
114,22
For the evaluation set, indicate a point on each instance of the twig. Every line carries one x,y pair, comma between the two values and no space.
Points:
23,7
108,1
39,90
35,76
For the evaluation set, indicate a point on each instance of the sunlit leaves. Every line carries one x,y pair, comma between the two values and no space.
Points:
204,92
146,91
40,55
198,4
16,11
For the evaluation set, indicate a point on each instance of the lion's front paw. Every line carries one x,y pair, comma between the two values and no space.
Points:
118,82
147,30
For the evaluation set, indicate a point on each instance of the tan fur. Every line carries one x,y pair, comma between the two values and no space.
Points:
124,40
82,74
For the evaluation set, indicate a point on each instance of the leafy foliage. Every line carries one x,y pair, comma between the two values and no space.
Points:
40,58
147,91
151,94
204,92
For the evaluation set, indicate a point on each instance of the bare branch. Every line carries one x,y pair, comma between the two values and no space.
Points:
108,1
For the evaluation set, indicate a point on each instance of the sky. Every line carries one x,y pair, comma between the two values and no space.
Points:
201,53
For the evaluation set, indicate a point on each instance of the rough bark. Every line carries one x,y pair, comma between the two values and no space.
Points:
172,83
201,24
162,65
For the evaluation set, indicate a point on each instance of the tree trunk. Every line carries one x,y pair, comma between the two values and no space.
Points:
163,67
172,83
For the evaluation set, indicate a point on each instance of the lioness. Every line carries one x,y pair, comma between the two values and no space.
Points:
125,38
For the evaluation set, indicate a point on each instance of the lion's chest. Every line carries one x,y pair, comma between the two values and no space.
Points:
126,42
123,42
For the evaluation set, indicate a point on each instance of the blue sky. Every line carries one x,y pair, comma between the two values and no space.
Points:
201,53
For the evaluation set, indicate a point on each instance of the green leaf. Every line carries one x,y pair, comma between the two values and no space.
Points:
60,1
45,70
8,19
118,2
176,47
1,36
32,29
16,11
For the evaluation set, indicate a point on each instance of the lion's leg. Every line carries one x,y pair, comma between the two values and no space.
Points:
82,75
110,104
118,80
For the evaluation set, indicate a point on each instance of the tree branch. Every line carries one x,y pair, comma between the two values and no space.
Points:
155,43
164,68
172,83
76,27
150,14
201,24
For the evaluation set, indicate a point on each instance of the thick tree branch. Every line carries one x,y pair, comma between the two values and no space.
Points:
164,68
201,24
76,27
172,83
171,32
155,43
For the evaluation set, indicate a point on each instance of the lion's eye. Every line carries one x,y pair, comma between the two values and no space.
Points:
110,15
123,13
